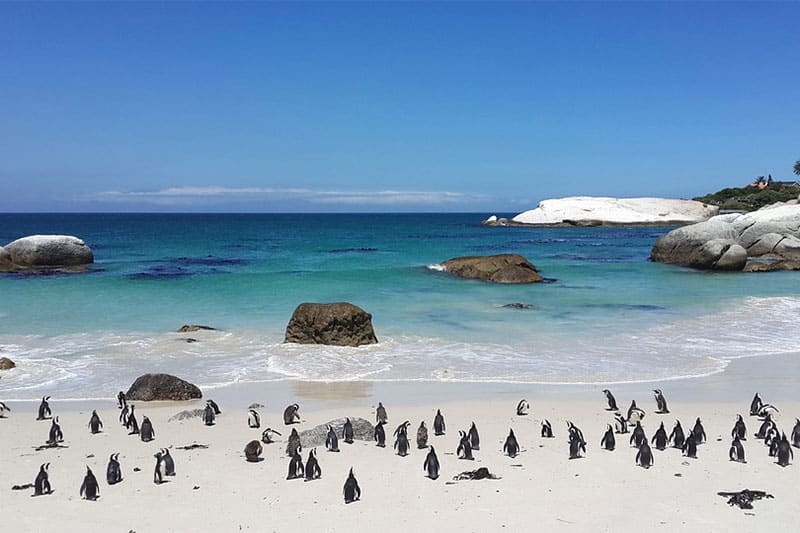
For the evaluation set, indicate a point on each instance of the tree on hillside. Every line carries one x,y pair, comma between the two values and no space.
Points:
797,167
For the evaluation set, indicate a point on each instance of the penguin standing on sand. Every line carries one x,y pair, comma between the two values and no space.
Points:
347,431
312,468
608,441
42,484
474,438
785,453
635,414
267,434
736,453
612,402
677,436
56,435
739,429
253,419
208,414
511,446
95,424
331,441
644,457
464,450
401,443
438,423
620,424
699,432
147,432
796,434
422,436
131,423
252,451
158,472
44,409
121,400
290,414
547,429
380,414
638,437
296,468
169,464
113,470
765,427
661,402
660,439
380,434
690,446
123,415
293,445
90,489
214,406
431,464
352,492
576,446
755,405
523,407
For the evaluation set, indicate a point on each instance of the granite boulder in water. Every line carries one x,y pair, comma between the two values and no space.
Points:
339,324
38,252
502,268
6,363
362,430
151,387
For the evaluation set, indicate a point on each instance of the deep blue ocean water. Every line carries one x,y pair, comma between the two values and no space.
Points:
607,314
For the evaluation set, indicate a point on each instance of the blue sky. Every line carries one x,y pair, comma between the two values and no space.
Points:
389,107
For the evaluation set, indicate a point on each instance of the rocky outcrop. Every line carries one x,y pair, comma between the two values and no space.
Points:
150,387
503,268
6,363
39,252
190,328
362,430
600,211
760,241
339,324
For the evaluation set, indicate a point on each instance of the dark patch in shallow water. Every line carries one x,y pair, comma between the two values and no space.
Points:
629,307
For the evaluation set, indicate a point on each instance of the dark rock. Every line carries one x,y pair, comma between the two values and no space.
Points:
38,252
6,363
190,328
339,324
518,305
362,430
503,268
185,415
162,387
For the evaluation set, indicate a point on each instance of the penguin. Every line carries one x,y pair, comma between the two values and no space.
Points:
44,409
158,472
438,423
774,442
208,414
252,451
352,492
523,407
123,415
131,423
293,445
677,436
620,424
736,453
95,423
644,457
660,438
608,442
635,414
214,406
347,431
464,450
661,402
290,415
266,435
253,419
380,435
296,468
331,441
547,429
796,434
169,464
121,400
785,452
768,409
638,437
56,434
312,469
42,484
401,443
755,405
575,430
612,402
422,436
690,446
699,432
380,414
576,446
113,470
3,409
766,425
474,438
511,446
431,464
739,429
90,489
147,432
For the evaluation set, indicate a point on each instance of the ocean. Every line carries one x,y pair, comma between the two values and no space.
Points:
605,315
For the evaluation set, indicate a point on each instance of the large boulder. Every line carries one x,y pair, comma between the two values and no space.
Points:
44,251
362,430
339,324
151,387
503,268
732,241
6,363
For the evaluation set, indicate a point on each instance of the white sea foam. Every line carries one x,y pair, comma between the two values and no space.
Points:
436,267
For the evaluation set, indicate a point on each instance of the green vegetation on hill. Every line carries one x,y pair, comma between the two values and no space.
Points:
750,198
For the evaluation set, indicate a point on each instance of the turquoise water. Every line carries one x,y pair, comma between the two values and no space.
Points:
606,314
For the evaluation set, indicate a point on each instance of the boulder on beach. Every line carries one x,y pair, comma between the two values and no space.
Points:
43,252
759,241
190,328
338,324
503,268
150,387
362,430
6,363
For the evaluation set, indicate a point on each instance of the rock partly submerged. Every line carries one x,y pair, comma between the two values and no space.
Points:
6,363
338,324
45,252
502,268
759,241
153,387
190,328
602,211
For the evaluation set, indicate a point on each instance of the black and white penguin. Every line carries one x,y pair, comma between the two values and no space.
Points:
347,431
431,464
293,445
158,471
331,441
123,415
422,436
290,414
660,439
352,492
739,429
785,454
661,402
690,446
575,430
612,402
169,464
44,409
638,437
523,407
608,442
620,424
438,423
401,442
312,468
55,435
42,484
736,453
644,457
796,434
547,429
474,438
147,432
755,405
464,450
576,445
252,451
214,406
768,409
90,489
121,400
253,419
3,409
380,434
511,446
267,436
113,470
765,427
95,424
296,468
131,423
699,432
635,414
208,414
380,414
